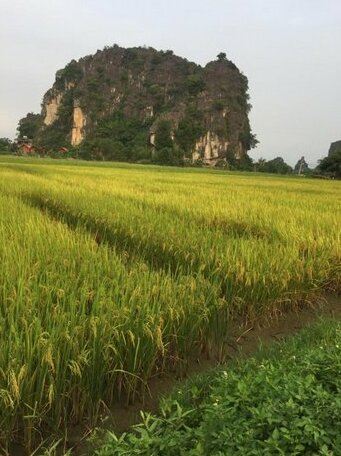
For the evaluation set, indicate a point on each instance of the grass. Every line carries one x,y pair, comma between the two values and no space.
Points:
283,401
112,274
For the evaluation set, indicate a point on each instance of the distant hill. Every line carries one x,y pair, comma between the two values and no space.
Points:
334,147
130,104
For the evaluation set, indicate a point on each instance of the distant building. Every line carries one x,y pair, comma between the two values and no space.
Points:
25,147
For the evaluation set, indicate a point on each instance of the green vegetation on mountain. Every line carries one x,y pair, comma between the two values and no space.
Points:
113,104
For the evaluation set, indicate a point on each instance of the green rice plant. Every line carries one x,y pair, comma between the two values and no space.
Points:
114,274
78,328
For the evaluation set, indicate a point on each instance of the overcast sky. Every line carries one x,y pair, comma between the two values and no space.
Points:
290,50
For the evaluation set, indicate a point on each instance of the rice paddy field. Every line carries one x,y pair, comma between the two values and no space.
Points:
112,274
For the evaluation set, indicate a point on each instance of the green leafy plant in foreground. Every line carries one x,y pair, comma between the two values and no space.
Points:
286,401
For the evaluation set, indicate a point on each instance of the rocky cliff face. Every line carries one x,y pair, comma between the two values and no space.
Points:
78,124
50,109
121,99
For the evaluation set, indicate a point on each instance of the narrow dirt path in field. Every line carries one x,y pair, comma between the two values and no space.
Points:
244,341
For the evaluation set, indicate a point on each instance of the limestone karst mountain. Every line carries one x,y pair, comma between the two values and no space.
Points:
129,104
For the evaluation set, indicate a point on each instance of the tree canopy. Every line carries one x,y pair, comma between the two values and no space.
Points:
28,126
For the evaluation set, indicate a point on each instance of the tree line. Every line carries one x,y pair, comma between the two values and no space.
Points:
131,147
